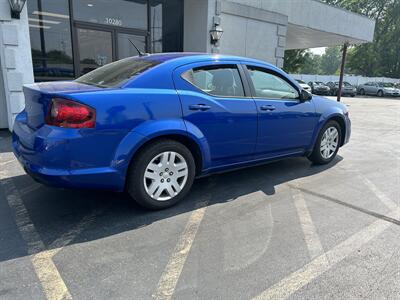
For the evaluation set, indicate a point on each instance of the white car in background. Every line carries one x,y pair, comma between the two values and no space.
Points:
379,89
304,85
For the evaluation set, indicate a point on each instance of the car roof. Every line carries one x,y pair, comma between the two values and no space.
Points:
181,58
168,62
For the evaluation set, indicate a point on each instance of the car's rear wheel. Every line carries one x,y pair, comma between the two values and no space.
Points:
327,144
161,174
380,94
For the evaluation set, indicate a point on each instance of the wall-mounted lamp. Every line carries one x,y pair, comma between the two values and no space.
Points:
16,8
215,34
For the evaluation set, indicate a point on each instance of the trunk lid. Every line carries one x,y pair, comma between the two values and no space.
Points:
38,97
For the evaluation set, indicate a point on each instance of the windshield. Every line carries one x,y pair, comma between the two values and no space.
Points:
386,84
319,83
116,73
300,81
346,84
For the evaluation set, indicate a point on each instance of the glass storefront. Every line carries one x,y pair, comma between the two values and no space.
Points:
50,34
72,37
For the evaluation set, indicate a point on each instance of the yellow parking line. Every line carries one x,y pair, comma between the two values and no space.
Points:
389,203
169,278
295,281
50,279
310,233
173,270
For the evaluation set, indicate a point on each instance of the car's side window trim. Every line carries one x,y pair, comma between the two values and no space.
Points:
247,93
263,69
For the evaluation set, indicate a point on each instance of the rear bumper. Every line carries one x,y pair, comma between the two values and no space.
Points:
45,156
322,92
348,131
349,92
392,94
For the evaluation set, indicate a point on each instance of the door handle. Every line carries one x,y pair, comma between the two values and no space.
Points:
267,107
201,107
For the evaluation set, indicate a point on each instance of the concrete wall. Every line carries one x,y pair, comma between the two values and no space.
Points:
15,61
321,17
253,32
354,80
195,22
248,30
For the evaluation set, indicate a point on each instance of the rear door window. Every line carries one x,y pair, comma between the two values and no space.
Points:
217,80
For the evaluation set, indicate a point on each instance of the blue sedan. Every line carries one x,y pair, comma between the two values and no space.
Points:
151,124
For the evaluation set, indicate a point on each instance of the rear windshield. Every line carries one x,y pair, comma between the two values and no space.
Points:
116,73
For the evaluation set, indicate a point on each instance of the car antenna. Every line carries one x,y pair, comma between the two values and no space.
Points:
137,49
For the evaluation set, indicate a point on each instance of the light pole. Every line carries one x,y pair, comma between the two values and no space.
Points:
344,53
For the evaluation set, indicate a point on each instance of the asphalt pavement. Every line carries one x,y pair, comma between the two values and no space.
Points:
287,229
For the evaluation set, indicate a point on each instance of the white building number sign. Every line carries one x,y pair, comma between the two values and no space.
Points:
113,21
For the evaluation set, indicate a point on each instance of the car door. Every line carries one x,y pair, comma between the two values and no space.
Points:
285,124
217,106
371,88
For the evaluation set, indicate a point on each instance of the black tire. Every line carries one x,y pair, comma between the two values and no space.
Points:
380,93
135,177
316,156
362,92
352,95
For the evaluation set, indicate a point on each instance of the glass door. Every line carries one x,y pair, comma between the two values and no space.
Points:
98,45
125,48
95,49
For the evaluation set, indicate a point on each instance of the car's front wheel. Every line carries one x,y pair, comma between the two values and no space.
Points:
161,174
327,144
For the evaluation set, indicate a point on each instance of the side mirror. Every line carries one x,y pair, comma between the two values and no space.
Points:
305,96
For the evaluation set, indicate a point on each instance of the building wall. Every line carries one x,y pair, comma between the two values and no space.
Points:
3,105
253,32
352,79
15,62
195,21
248,30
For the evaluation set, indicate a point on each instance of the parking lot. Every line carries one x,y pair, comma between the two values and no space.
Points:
282,230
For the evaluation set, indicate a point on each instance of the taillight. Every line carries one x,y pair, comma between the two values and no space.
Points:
70,114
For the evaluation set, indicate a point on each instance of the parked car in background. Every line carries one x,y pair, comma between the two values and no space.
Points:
149,125
347,88
319,88
379,89
304,85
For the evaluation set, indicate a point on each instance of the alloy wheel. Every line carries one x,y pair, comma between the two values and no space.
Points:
329,142
165,176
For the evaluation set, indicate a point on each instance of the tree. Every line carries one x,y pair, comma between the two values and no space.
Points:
294,60
382,57
330,61
312,65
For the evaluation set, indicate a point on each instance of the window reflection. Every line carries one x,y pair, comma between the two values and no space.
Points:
120,13
50,34
125,48
166,25
95,49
